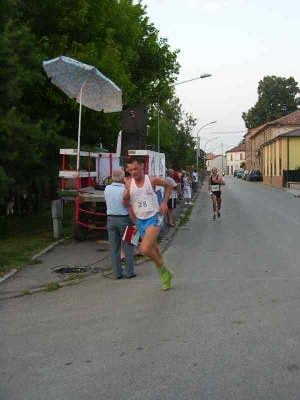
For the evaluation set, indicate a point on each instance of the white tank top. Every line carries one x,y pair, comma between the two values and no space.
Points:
143,200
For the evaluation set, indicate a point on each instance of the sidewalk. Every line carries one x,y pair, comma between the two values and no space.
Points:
294,192
93,254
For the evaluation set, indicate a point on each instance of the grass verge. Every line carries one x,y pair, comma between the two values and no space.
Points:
185,217
23,237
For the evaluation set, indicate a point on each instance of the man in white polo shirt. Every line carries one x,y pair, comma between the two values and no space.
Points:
117,221
173,197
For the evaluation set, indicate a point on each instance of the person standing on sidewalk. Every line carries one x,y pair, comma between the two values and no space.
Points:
117,221
186,189
195,183
142,202
177,179
173,197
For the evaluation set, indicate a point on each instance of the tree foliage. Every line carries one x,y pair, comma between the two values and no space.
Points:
115,36
277,97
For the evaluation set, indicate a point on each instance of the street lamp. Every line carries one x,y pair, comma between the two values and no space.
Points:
216,148
198,141
158,105
210,140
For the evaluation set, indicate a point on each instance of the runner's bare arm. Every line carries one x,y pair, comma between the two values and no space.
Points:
126,201
126,194
155,181
169,188
131,215
221,181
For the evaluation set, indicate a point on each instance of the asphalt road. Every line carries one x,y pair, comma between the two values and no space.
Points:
228,329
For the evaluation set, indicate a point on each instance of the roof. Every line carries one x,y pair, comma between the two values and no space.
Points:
210,156
254,130
290,134
290,119
218,155
295,133
237,149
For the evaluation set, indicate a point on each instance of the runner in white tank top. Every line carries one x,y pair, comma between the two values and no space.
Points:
143,199
140,198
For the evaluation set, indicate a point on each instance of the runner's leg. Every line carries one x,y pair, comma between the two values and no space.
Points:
214,201
150,248
149,245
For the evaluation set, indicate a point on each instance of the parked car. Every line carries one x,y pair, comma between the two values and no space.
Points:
254,175
239,174
235,172
245,174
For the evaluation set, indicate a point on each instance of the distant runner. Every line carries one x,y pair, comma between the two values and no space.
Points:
214,186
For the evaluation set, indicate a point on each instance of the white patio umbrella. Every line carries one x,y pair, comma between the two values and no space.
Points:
86,84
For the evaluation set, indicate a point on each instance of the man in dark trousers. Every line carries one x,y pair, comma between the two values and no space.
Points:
117,221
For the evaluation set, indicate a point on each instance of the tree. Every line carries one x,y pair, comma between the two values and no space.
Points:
277,97
25,129
37,118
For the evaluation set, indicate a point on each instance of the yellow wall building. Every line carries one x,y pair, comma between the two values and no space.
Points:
279,154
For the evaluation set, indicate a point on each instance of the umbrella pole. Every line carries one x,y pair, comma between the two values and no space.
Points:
79,129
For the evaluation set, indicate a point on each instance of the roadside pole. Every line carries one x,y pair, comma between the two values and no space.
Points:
56,210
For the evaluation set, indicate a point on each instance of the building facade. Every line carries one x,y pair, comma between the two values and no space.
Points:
280,154
255,138
218,161
234,158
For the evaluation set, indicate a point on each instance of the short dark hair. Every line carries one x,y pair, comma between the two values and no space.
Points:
132,160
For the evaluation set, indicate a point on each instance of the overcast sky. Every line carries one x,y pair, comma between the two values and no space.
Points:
238,42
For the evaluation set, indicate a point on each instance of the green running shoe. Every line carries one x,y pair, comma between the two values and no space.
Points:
167,281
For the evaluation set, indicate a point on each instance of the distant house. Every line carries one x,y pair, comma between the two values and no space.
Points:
234,158
208,158
281,155
215,161
255,138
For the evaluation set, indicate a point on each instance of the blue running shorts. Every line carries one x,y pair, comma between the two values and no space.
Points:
142,224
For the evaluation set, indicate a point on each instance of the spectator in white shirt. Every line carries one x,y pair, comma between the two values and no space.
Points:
173,197
195,183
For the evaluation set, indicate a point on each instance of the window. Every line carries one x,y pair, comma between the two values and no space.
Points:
241,156
231,157
231,170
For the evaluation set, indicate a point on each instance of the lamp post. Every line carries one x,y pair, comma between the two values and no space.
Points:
216,148
210,140
158,105
198,141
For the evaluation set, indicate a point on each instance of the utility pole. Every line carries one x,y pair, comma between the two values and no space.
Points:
198,151
222,157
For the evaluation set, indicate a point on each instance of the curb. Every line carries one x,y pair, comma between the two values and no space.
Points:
280,189
50,247
12,272
61,284
42,252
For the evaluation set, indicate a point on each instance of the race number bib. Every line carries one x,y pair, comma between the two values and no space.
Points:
144,204
215,188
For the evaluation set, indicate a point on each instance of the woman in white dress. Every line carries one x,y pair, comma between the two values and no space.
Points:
186,189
